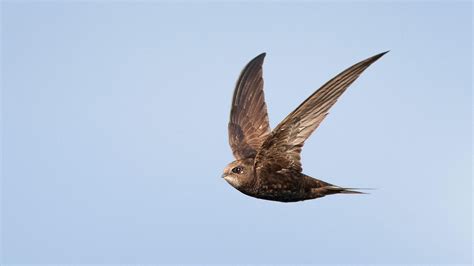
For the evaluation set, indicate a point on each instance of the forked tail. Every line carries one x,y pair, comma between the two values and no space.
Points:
321,188
331,189
344,190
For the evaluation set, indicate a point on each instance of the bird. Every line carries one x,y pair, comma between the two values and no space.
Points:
267,162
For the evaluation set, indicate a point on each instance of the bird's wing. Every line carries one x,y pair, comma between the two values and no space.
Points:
248,125
281,150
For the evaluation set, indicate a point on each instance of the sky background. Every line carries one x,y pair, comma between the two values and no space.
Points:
114,132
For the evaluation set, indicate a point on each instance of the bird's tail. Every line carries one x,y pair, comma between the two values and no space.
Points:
321,188
343,190
332,189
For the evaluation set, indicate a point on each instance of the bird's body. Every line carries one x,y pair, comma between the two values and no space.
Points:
283,185
268,162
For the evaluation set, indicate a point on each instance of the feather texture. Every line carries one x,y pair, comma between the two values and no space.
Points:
248,125
281,150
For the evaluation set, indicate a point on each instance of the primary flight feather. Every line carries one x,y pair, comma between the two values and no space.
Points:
268,163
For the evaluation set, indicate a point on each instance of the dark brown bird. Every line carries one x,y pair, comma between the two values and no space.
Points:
267,164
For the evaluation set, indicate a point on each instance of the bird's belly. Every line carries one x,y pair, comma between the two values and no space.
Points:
280,191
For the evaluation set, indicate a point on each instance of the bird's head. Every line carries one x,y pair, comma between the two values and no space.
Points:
239,173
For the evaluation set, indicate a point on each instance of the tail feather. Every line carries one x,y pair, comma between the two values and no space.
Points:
331,189
347,190
321,188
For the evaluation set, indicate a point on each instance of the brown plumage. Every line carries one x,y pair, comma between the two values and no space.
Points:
268,163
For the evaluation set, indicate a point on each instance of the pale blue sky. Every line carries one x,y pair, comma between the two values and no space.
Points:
114,119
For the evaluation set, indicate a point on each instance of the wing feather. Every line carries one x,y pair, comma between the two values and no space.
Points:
248,125
281,150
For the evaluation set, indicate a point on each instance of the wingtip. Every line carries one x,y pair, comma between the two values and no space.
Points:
261,56
372,59
383,53
380,54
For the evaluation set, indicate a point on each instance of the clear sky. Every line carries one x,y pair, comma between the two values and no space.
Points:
114,132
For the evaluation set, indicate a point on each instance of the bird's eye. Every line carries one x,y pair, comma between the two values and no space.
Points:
237,170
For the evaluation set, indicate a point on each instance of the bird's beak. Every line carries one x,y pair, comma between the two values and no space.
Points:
223,175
